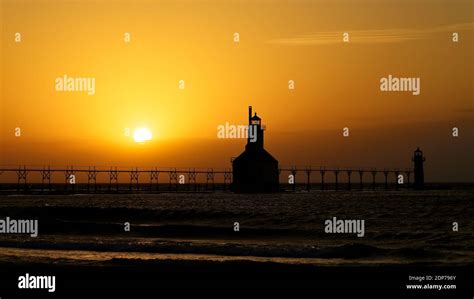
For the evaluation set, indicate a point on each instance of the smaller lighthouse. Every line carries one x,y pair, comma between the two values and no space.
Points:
418,161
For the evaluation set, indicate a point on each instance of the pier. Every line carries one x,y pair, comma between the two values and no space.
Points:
93,179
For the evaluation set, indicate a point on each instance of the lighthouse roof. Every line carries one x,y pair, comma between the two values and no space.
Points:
255,117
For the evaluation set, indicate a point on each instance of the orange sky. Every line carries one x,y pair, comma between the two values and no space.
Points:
336,83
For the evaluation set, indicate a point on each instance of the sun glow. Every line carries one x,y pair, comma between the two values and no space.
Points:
142,135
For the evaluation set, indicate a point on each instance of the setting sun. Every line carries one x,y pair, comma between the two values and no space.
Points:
142,135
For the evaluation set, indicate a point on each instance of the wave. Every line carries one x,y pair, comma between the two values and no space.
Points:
346,251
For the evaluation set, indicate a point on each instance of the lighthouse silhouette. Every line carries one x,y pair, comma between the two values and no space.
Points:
418,161
255,170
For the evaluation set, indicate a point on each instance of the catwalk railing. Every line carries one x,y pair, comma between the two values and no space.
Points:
95,179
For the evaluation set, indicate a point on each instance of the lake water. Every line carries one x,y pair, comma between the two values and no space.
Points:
401,227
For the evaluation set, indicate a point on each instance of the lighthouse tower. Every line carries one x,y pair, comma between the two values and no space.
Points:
256,122
418,161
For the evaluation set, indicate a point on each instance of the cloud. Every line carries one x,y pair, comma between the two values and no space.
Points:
467,110
396,35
